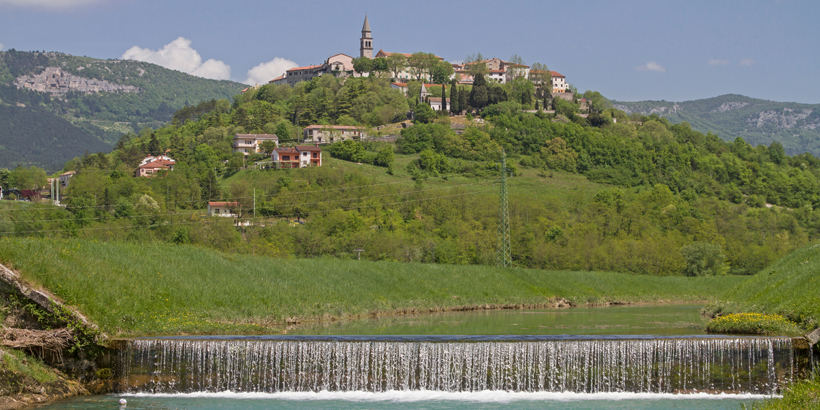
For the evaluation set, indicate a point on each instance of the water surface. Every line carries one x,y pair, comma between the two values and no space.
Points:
411,400
666,320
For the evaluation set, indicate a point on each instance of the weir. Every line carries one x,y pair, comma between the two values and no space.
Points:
450,364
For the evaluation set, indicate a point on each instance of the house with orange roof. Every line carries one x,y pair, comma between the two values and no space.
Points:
154,167
300,156
559,82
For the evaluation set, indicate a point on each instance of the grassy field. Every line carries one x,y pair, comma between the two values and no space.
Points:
142,289
790,287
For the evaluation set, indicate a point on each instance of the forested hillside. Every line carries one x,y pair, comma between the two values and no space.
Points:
100,116
587,193
759,122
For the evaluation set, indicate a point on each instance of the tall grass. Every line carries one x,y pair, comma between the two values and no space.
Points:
790,287
136,289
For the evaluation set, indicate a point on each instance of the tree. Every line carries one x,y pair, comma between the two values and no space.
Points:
396,63
596,101
421,64
479,94
517,68
385,157
476,64
441,72
454,106
424,113
362,65
704,258
541,78
380,65
283,131
268,146
153,145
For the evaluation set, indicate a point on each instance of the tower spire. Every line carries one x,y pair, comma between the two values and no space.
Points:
366,42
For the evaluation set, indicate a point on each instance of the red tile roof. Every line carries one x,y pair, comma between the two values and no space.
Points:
305,67
228,204
277,78
160,163
308,148
335,127
400,84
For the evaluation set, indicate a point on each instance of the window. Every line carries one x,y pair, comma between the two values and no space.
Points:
285,157
315,155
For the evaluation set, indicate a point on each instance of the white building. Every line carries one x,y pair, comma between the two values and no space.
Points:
325,134
226,209
252,143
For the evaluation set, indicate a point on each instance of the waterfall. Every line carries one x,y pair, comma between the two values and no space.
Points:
663,365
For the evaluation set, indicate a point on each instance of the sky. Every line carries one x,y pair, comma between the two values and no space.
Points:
629,50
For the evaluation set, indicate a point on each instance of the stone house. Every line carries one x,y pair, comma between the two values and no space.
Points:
326,134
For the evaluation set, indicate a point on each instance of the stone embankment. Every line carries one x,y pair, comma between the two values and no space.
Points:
37,323
58,82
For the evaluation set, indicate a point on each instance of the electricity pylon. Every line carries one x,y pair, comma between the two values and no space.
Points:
504,253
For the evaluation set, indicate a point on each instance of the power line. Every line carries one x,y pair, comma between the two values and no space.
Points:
274,207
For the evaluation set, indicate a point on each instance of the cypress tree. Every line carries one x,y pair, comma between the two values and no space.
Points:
454,97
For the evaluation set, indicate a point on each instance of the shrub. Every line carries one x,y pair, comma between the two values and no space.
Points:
752,324
704,258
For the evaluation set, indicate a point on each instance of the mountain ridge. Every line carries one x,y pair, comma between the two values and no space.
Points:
760,122
97,100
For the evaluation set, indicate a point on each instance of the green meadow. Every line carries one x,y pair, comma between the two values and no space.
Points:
132,289
790,287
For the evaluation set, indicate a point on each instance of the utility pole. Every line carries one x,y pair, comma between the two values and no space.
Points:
254,204
504,253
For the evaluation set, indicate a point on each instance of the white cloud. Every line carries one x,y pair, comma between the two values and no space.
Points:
265,72
178,55
747,62
49,4
718,62
651,66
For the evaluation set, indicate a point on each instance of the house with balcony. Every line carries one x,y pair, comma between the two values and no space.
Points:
326,134
300,156
252,143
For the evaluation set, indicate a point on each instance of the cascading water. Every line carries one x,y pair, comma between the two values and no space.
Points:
666,365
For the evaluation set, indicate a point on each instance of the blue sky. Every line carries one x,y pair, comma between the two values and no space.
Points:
628,50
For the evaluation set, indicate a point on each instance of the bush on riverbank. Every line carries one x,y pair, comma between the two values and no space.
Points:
156,288
753,324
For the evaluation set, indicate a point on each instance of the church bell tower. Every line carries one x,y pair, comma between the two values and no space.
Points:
366,42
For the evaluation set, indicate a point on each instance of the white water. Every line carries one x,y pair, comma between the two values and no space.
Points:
487,396
460,369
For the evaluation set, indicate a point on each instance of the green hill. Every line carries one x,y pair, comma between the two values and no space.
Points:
140,95
796,126
789,287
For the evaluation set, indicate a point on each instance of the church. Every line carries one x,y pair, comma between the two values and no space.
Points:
340,64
